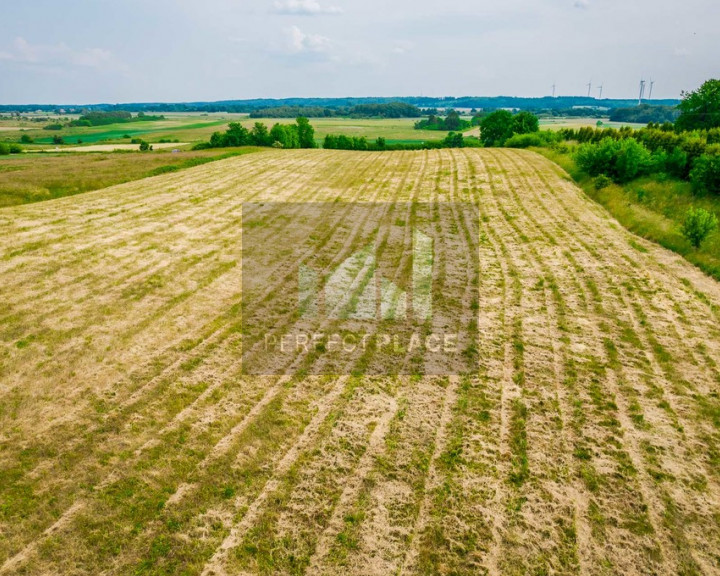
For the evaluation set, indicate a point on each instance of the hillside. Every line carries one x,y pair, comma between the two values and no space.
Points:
585,438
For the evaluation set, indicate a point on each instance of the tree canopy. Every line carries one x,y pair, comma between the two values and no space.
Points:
298,135
700,108
496,127
452,122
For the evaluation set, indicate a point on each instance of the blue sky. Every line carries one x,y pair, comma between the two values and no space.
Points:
84,51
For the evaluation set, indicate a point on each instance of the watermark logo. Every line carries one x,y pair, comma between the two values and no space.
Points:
356,290
362,288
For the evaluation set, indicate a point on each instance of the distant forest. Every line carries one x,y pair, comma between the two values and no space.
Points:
645,114
562,103
373,110
98,118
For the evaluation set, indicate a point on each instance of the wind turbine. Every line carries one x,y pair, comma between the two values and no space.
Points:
553,90
600,90
589,85
652,83
642,91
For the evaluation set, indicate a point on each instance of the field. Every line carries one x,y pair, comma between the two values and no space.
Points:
392,129
190,128
196,128
26,178
587,439
575,123
119,147
184,128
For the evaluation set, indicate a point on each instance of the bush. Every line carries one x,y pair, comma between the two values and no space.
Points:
26,139
145,146
524,141
705,174
622,160
525,123
454,140
676,163
4,149
596,159
601,182
633,160
57,140
698,225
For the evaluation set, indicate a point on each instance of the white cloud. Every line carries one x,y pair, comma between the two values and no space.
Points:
582,4
23,52
304,8
299,42
403,46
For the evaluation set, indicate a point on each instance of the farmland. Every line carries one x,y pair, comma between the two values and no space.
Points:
586,439
193,128
30,178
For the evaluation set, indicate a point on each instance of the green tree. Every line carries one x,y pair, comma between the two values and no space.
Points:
260,135
454,140
236,135
306,133
57,140
344,142
330,142
26,139
286,135
453,121
145,146
705,174
698,225
700,108
360,143
496,127
525,123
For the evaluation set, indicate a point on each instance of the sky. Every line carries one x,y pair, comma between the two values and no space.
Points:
92,51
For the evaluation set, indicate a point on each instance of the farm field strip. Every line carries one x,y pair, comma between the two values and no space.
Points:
236,279
587,441
625,421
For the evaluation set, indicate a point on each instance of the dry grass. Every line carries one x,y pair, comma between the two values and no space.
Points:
34,177
586,442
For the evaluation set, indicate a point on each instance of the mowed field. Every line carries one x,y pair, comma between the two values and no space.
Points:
586,442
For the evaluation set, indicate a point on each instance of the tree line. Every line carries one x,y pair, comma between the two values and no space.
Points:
451,122
342,142
645,113
298,135
369,110
444,102
112,117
